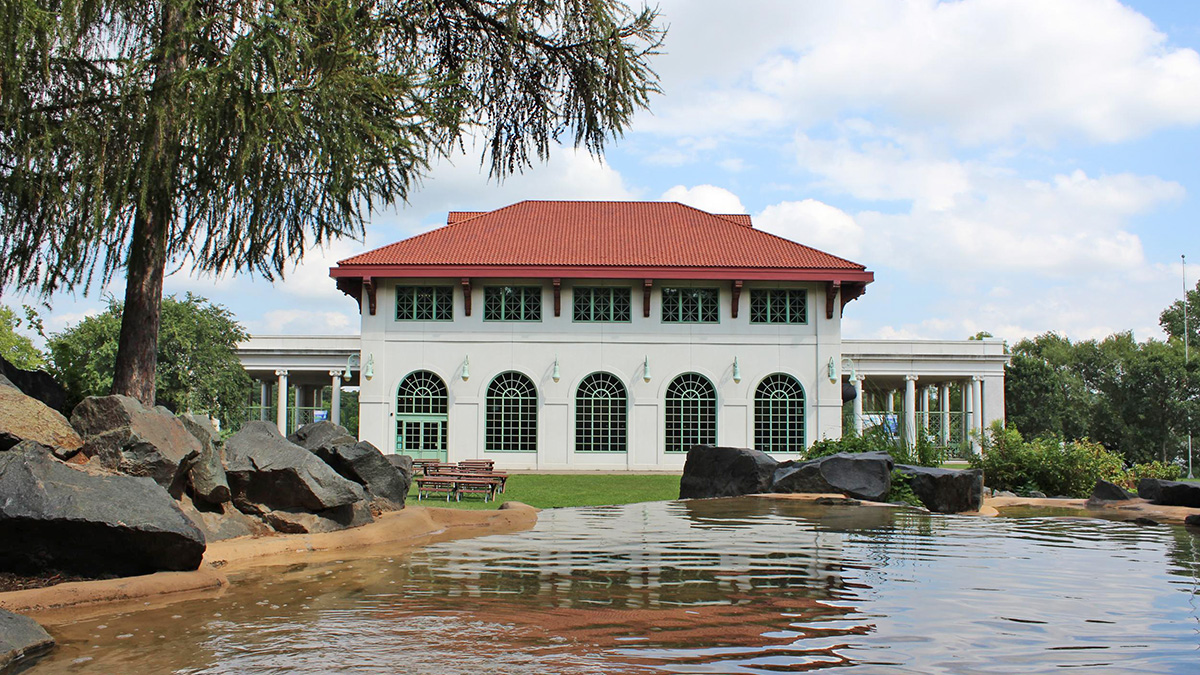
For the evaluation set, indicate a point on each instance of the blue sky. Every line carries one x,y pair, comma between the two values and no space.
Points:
1014,166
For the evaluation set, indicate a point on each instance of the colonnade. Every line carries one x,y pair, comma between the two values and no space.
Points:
914,416
307,396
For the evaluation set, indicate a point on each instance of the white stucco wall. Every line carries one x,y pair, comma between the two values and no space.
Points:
398,348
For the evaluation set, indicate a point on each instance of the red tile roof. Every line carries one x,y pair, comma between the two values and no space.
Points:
629,239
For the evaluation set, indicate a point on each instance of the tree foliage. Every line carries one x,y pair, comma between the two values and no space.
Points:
198,366
231,135
16,348
1171,318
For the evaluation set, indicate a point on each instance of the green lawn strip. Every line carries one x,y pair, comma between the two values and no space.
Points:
546,491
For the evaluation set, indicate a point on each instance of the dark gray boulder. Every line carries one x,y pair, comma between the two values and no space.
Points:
1169,492
1192,520
128,437
403,464
21,641
1110,492
714,471
36,383
219,522
364,464
865,475
56,517
207,473
293,521
945,490
321,435
267,472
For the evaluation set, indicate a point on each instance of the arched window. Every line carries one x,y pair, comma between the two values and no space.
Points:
600,414
511,414
691,413
421,416
779,414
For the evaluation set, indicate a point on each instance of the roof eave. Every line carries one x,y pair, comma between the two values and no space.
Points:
602,272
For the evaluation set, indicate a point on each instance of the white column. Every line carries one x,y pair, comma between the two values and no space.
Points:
264,399
977,396
858,404
281,415
889,403
910,410
925,409
335,402
944,403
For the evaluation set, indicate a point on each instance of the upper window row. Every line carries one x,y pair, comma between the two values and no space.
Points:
602,304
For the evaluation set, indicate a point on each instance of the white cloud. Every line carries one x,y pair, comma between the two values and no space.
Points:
303,322
706,198
815,224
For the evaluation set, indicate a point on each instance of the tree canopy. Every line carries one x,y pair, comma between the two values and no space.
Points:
198,368
232,135
16,348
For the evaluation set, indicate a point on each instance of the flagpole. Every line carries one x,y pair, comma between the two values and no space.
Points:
1183,273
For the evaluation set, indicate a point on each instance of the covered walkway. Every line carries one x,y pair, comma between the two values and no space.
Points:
301,366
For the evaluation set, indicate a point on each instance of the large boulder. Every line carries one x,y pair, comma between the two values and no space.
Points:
207,473
267,472
21,639
1105,491
219,522
403,464
128,437
24,418
945,490
714,471
364,464
1169,492
56,517
866,475
36,383
293,521
321,435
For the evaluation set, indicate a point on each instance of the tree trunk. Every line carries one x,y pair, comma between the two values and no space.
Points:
137,349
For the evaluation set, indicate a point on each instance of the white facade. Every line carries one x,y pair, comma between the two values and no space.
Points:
392,349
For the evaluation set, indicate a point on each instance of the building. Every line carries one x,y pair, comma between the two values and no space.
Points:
611,335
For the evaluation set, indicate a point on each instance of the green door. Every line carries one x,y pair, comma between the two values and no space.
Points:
421,436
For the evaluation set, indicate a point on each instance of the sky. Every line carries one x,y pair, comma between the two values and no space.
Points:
1009,166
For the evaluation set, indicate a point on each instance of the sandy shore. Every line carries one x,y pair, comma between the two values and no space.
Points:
390,533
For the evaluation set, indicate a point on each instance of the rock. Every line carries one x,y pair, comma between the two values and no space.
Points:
21,639
321,435
713,471
37,384
56,517
364,464
1169,492
207,473
1004,493
404,464
1193,520
24,418
1144,521
126,436
866,475
266,470
221,521
945,490
1037,494
1110,492
293,521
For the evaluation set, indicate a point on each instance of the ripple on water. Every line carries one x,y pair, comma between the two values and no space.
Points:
714,586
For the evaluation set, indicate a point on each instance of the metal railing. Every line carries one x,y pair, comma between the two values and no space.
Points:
929,425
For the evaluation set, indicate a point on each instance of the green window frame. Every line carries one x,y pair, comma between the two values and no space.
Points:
779,414
691,417
778,305
512,303
602,304
422,420
691,305
601,414
511,421
424,303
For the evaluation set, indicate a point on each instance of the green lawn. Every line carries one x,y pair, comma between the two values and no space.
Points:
547,491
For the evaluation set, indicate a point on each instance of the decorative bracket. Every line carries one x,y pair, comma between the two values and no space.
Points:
557,296
369,287
737,293
466,285
852,292
831,292
647,285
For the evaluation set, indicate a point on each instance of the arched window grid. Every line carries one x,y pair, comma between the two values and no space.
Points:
779,414
511,422
601,414
422,393
691,413
422,418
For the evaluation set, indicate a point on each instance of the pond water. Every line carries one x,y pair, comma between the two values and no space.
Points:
744,585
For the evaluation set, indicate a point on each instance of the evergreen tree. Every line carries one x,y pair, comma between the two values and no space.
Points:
231,135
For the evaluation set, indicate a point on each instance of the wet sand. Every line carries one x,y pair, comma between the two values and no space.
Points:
392,532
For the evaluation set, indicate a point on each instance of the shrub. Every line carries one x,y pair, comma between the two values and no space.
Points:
1046,464
876,439
901,491
1155,469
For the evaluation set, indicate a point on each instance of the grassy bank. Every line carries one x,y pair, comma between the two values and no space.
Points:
546,491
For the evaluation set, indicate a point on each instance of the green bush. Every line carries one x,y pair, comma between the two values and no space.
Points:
901,491
1155,469
876,439
1046,464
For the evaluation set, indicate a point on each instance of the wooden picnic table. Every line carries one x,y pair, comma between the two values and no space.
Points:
497,476
457,485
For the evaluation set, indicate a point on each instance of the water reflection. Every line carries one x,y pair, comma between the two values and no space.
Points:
716,586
